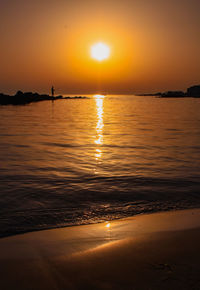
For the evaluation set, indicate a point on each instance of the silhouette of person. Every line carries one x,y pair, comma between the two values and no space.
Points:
52,91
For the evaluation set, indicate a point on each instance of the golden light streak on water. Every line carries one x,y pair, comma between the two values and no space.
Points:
107,225
99,127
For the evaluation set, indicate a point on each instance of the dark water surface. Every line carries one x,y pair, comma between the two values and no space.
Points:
87,160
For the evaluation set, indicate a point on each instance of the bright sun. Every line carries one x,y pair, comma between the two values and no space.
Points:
100,51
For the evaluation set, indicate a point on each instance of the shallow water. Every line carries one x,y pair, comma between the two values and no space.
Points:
79,161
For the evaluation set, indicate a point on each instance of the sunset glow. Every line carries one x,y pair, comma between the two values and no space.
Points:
100,115
126,50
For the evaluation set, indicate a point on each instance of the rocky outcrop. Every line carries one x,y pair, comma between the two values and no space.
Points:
194,91
21,98
173,94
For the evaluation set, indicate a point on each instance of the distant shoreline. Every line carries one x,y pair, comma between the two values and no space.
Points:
21,98
24,98
192,92
163,95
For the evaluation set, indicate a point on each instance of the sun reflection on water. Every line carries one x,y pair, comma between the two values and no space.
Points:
99,127
107,225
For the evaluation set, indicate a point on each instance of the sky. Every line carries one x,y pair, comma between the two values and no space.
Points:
154,45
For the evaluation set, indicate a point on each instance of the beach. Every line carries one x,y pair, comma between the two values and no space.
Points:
154,251
100,145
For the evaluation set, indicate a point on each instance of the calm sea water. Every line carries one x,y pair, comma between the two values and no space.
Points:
82,161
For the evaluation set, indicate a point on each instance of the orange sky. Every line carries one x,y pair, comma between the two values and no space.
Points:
154,45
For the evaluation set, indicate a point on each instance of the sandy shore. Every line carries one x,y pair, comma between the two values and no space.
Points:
157,251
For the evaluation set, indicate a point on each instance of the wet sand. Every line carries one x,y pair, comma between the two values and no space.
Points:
157,251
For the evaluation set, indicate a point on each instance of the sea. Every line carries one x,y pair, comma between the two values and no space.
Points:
81,161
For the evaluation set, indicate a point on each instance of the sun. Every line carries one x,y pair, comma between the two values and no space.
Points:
100,51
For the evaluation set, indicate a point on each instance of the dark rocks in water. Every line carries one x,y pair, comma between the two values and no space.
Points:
173,94
194,91
4,99
150,94
21,98
76,97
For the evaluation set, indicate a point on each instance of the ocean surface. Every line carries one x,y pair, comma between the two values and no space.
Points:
80,161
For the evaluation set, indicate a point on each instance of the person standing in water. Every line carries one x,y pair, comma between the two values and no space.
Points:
52,91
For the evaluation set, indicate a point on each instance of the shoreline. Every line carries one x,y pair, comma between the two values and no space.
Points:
10,235
150,251
21,99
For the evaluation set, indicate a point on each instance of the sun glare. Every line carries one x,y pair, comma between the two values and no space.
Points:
108,225
100,51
